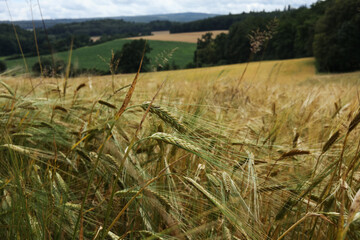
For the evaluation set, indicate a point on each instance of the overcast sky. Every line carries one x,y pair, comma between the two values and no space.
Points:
20,9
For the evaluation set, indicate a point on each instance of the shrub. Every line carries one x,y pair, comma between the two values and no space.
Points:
190,65
2,66
50,69
128,59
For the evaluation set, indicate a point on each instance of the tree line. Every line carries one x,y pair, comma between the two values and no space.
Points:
59,37
220,22
328,30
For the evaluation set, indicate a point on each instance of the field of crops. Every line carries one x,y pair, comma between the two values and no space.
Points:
190,37
98,56
266,150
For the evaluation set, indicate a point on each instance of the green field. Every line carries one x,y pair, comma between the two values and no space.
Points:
94,56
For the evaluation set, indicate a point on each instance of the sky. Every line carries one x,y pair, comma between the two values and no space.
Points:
52,9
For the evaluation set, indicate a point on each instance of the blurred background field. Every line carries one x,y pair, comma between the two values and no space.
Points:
98,56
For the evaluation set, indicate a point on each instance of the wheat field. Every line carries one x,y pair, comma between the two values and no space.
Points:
266,150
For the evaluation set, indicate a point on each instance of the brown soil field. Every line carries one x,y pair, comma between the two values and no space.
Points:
95,39
190,37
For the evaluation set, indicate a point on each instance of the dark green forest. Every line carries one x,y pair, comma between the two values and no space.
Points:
220,22
288,35
328,30
59,37
337,37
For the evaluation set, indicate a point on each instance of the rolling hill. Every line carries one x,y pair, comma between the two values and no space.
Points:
173,17
98,56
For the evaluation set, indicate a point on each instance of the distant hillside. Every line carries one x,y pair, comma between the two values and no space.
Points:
91,57
172,17
220,22
59,37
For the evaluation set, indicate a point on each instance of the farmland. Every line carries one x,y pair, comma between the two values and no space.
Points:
246,151
190,37
98,56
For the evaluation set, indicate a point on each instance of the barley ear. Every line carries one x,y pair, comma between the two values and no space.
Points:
80,87
331,141
354,122
10,90
293,152
165,115
181,143
107,104
354,208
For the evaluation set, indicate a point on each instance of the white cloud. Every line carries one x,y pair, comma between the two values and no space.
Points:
20,9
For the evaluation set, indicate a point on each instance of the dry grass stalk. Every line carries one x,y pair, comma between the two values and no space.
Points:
8,96
271,188
119,89
68,67
259,38
302,219
131,89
